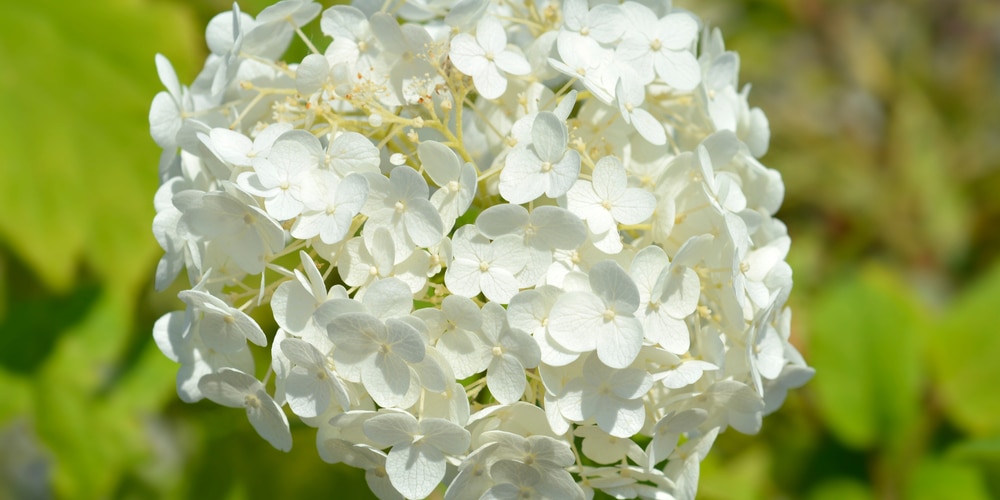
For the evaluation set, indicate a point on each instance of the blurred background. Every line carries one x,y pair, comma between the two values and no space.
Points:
885,122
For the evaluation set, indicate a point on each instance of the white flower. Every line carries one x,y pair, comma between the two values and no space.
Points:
543,167
544,229
238,149
235,389
310,385
457,329
220,326
353,40
630,97
606,200
244,232
416,463
516,480
486,58
479,265
456,180
378,354
529,310
172,335
662,45
330,204
511,350
613,398
362,262
166,113
295,304
401,205
604,319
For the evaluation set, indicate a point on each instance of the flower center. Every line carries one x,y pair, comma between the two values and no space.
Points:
609,314
251,401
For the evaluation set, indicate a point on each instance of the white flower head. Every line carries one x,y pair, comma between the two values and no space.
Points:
500,243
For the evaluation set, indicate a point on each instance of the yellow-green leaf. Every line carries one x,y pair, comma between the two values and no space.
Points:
866,344
79,169
965,353
935,479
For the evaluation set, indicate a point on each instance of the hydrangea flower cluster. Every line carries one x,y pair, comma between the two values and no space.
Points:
517,248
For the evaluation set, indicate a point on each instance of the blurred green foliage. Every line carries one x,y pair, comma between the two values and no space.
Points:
885,119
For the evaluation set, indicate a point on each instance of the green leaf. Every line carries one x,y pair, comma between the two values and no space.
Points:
964,354
16,398
866,341
936,479
986,449
841,489
93,419
983,453
742,477
79,167
30,330
70,413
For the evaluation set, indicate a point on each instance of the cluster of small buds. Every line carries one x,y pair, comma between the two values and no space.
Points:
512,248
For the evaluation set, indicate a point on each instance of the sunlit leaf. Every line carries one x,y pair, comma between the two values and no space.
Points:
69,412
987,449
934,479
742,477
841,489
16,398
78,165
965,353
866,343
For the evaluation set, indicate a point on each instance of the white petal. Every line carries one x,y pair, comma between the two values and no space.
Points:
467,55
677,31
512,63
490,35
439,161
387,379
549,136
648,127
462,277
502,219
634,206
489,81
613,285
681,291
557,227
678,69
423,223
229,387
575,321
505,379
414,470
391,428
445,435
498,285
620,349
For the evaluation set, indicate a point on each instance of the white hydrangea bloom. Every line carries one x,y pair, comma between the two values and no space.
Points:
486,57
500,241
